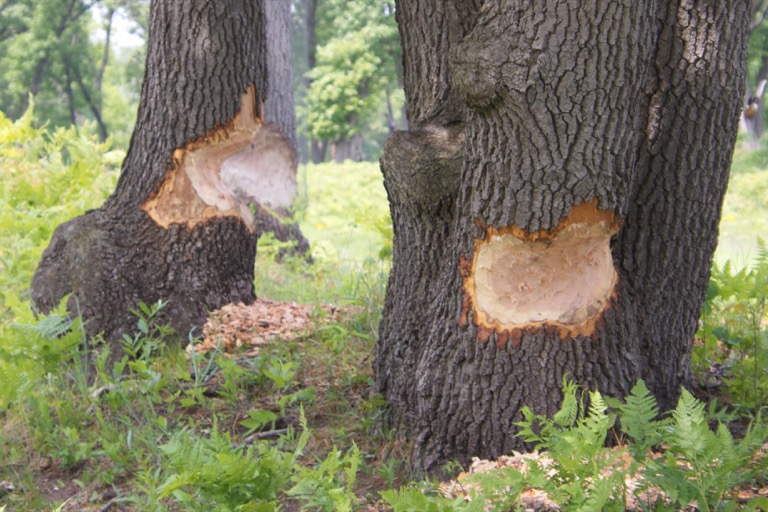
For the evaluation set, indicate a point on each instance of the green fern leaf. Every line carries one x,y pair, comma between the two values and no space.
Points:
637,417
569,410
690,434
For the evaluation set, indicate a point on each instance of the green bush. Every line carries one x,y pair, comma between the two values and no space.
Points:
47,178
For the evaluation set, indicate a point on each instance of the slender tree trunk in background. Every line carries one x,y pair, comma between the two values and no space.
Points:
70,95
754,109
555,206
177,226
349,149
104,58
278,107
318,147
93,103
279,110
71,15
319,150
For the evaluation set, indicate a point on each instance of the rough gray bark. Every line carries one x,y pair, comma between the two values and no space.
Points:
205,78
421,174
519,114
278,107
279,110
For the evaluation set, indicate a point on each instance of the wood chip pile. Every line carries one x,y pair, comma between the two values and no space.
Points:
240,325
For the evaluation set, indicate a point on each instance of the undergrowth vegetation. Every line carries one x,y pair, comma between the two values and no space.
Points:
697,465
298,425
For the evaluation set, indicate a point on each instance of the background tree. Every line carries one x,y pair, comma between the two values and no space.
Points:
555,206
353,84
177,226
279,110
757,73
48,51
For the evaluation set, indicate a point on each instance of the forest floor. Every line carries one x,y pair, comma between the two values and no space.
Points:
343,412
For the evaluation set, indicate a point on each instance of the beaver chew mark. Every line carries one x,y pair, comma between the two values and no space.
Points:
565,278
217,175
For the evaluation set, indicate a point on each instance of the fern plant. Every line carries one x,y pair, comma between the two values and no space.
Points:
700,464
638,416
329,485
414,499
213,474
574,439
734,331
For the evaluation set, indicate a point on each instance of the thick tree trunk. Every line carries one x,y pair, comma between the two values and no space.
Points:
177,226
593,141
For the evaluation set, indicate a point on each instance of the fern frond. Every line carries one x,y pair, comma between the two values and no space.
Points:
762,253
569,411
690,435
637,417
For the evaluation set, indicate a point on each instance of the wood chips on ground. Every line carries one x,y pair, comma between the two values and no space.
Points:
239,325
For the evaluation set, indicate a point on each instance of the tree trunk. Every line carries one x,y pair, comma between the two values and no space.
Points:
555,207
93,103
754,109
278,107
178,226
279,110
319,148
349,149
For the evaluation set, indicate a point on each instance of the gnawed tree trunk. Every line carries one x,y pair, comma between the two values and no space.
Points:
178,226
555,206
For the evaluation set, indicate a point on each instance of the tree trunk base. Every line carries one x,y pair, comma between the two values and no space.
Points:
283,230
109,261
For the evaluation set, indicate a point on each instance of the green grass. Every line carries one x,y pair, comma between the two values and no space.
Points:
347,214
745,209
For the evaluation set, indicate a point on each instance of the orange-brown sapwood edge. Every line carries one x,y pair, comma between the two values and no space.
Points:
219,174
560,280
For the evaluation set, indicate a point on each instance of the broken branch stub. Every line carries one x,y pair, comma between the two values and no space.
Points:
561,279
245,161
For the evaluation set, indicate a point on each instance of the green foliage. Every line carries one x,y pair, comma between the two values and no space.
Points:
734,331
347,215
356,73
43,178
702,465
699,465
744,214
414,499
329,485
574,438
213,473
638,420
55,50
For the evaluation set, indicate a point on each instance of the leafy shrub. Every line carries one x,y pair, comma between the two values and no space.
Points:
47,178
